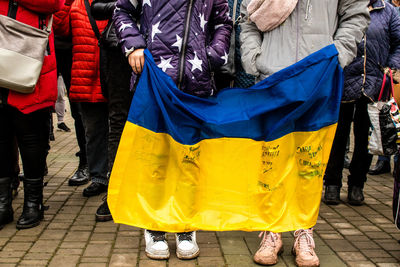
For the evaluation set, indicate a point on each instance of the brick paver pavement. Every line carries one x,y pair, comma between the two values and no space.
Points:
69,235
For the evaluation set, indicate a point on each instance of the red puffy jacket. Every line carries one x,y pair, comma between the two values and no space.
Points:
85,76
45,93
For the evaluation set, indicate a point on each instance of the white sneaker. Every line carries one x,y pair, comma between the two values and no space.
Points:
186,246
156,245
304,248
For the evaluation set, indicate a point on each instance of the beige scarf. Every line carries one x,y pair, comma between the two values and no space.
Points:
269,14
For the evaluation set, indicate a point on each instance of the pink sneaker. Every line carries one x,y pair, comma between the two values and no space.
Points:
271,246
303,249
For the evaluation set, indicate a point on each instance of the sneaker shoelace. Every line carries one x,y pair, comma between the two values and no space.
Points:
157,236
304,240
185,236
269,239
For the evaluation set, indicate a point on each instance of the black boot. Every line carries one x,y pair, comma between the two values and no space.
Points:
355,195
6,211
381,167
33,210
332,195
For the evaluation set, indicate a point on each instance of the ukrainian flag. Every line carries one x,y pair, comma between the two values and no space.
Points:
246,159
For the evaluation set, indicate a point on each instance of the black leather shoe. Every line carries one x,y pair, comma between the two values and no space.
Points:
103,213
380,167
80,177
63,127
355,196
94,189
332,195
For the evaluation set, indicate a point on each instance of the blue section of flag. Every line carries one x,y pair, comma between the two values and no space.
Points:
303,97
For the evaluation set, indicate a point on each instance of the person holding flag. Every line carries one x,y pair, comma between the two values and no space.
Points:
277,34
188,39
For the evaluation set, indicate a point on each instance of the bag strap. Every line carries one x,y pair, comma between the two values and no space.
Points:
12,9
383,87
384,82
91,20
233,38
391,82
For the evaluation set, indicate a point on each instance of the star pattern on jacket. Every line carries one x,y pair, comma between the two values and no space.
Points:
165,64
178,43
203,22
225,57
134,3
196,62
155,30
124,26
128,50
147,2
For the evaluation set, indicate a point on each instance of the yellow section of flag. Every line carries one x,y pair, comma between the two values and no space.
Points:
219,184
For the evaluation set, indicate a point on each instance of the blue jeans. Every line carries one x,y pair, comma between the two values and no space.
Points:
95,122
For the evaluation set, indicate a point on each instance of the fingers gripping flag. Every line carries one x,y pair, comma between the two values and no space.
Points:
246,159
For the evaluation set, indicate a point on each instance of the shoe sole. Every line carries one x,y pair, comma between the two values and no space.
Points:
103,218
352,203
157,257
188,257
77,183
331,202
27,226
93,195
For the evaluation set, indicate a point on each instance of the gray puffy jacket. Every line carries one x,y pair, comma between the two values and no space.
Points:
313,25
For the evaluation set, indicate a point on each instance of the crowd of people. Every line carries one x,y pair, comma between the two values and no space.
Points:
96,52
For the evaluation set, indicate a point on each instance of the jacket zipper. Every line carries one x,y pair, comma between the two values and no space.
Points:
186,30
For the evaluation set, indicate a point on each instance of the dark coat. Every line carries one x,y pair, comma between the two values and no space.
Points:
104,10
186,48
380,48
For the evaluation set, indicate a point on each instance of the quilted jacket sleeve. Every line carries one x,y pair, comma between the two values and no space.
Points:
219,46
394,31
42,6
250,41
61,24
126,15
353,22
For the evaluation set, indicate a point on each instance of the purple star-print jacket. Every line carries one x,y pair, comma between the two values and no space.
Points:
188,39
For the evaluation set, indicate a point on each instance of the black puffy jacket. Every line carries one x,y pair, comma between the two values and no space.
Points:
103,10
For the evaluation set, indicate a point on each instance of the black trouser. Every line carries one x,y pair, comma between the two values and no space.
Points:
64,66
95,121
32,133
361,160
115,82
